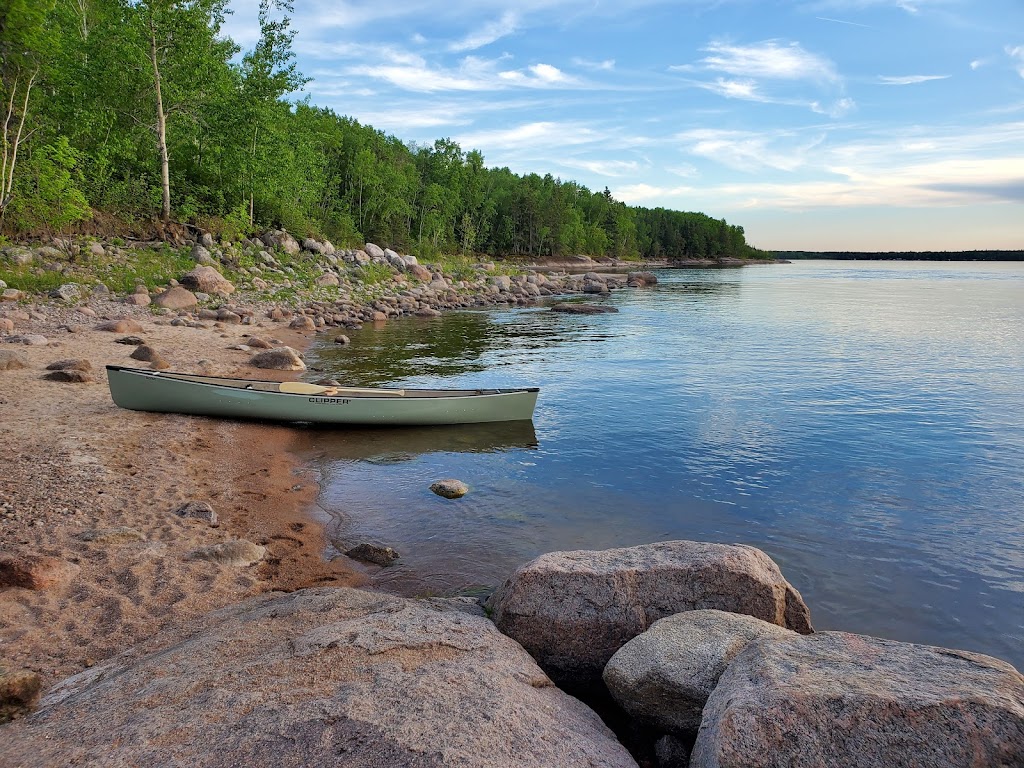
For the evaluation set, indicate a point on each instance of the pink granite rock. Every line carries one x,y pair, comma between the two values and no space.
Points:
319,677
573,610
837,699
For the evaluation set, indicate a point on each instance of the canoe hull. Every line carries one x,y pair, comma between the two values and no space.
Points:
139,390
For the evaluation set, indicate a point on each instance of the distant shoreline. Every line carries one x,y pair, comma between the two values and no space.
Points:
904,255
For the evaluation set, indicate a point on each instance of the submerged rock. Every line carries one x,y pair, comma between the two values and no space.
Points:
576,308
373,553
450,488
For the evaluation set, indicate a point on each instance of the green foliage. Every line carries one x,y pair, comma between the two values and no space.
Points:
374,274
120,272
242,157
47,197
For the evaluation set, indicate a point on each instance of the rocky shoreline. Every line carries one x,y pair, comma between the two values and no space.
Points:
161,580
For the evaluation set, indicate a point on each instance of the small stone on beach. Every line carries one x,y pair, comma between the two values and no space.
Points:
12,361
72,364
70,376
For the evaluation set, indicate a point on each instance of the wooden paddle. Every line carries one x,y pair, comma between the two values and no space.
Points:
302,388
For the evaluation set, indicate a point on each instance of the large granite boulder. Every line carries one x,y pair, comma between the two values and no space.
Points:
206,279
319,677
278,238
279,359
573,610
860,702
175,297
663,677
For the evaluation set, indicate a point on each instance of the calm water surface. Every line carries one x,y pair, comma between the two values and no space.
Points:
863,423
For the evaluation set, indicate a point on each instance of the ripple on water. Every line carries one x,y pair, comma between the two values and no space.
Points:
863,423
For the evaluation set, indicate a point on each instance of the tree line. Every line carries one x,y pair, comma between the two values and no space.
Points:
133,111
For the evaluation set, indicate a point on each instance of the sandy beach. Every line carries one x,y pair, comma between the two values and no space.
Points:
94,488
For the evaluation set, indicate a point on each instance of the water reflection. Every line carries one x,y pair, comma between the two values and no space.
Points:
866,429
454,344
394,445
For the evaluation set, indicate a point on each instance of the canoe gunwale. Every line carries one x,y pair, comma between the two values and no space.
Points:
201,380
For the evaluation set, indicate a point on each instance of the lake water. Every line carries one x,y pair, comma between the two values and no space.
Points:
862,422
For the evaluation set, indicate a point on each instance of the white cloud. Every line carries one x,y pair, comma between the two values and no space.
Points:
1016,53
636,194
533,135
838,108
749,151
612,168
685,170
606,66
488,33
769,60
549,74
735,89
910,79
412,73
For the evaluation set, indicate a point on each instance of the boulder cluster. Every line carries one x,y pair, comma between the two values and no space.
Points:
318,285
706,650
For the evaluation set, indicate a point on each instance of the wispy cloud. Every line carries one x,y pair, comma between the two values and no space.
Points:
750,151
488,33
637,194
412,73
910,79
1016,54
533,135
611,168
910,6
841,21
771,72
606,66
768,59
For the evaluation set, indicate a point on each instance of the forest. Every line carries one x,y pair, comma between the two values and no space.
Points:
130,115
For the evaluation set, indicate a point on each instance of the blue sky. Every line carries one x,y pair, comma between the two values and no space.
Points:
816,125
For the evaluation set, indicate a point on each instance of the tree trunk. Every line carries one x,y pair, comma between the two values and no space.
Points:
161,130
252,175
10,153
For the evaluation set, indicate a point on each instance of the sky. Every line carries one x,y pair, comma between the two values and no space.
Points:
884,125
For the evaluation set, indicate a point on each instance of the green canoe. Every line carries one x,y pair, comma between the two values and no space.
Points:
167,392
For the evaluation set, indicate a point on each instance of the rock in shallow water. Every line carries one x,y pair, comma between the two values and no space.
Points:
450,488
575,308
373,553
321,677
840,699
